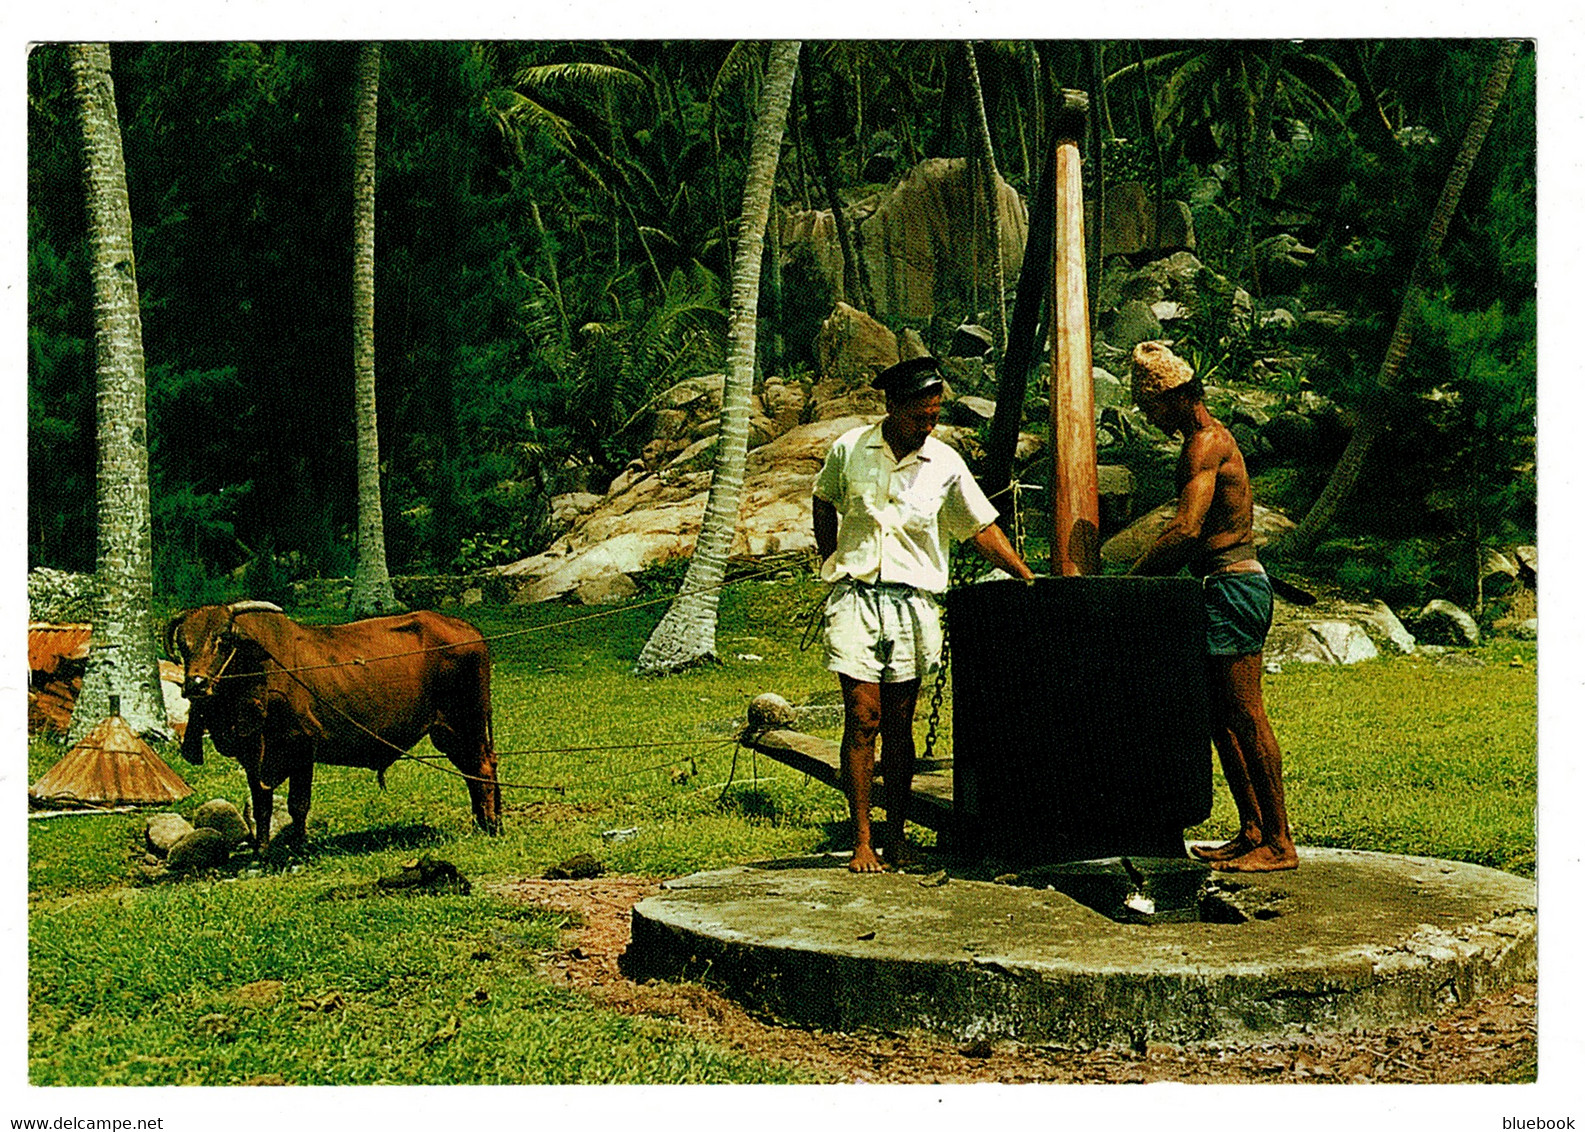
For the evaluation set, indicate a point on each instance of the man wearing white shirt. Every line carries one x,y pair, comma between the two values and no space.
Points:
887,497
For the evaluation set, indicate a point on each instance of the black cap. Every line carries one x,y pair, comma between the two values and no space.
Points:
910,378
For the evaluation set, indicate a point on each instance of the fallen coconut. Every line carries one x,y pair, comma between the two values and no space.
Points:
200,849
223,817
162,831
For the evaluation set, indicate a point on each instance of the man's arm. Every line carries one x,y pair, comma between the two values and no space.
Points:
1181,537
998,551
825,528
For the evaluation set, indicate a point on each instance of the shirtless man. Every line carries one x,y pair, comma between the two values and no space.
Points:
1212,534
885,500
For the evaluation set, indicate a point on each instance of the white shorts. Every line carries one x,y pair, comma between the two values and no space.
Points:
883,634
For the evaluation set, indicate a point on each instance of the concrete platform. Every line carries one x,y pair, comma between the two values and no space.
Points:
1350,939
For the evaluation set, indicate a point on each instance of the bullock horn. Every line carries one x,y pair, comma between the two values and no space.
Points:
250,606
168,637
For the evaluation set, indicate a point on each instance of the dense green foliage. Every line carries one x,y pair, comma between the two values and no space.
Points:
146,985
553,230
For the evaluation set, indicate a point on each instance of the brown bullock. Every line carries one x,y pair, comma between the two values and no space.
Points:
279,697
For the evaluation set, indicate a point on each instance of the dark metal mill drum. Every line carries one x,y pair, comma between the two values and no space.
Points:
1080,722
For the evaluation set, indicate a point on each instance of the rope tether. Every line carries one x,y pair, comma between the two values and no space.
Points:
364,661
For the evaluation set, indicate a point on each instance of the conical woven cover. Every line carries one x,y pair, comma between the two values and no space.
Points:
110,765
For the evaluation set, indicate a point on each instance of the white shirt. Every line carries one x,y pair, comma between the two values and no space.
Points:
892,514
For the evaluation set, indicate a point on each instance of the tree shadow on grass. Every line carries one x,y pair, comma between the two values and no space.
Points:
407,835
284,851
835,836
751,802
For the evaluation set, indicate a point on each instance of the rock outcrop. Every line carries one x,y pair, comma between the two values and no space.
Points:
1335,632
918,239
1134,540
1131,226
920,244
653,517
1440,622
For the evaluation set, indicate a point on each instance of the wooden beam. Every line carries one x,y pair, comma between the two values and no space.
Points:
1075,536
820,759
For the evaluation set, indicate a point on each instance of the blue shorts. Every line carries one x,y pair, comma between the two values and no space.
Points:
1237,613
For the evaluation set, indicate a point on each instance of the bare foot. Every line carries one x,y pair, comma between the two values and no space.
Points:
865,861
1261,859
1228,850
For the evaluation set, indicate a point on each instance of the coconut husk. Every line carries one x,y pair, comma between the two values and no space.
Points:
109,766
56,657
55,664
50,645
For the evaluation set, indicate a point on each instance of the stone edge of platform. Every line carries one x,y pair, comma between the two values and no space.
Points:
980,998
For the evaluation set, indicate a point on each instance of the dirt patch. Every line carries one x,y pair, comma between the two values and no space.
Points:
1490,1040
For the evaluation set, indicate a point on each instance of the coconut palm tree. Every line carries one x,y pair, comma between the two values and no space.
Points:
686,634
855,275
989,179
371,580
574,106
121,659
1214,81
566,103
1209,85
1375,418
611,370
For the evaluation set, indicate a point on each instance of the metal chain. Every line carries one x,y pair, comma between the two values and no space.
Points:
1018,518
939,692
960,574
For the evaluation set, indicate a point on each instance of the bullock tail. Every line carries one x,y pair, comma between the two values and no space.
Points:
488,706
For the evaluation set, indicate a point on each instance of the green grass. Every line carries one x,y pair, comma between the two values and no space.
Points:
419,990
140,985
1404,755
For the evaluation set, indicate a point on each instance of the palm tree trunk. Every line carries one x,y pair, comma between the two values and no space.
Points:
774,316
800,131
1244,255
1375,417
1023,336
1259,151
686,634
1037,99
1376,128
550,260
1100,129
121,658
715,180
1149,126
855,284
989,180
1098,61
1020,115
371,580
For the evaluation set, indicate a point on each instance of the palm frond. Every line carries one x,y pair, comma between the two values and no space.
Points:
543,321
523,116
743,62
1318,83
659,236
576,78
